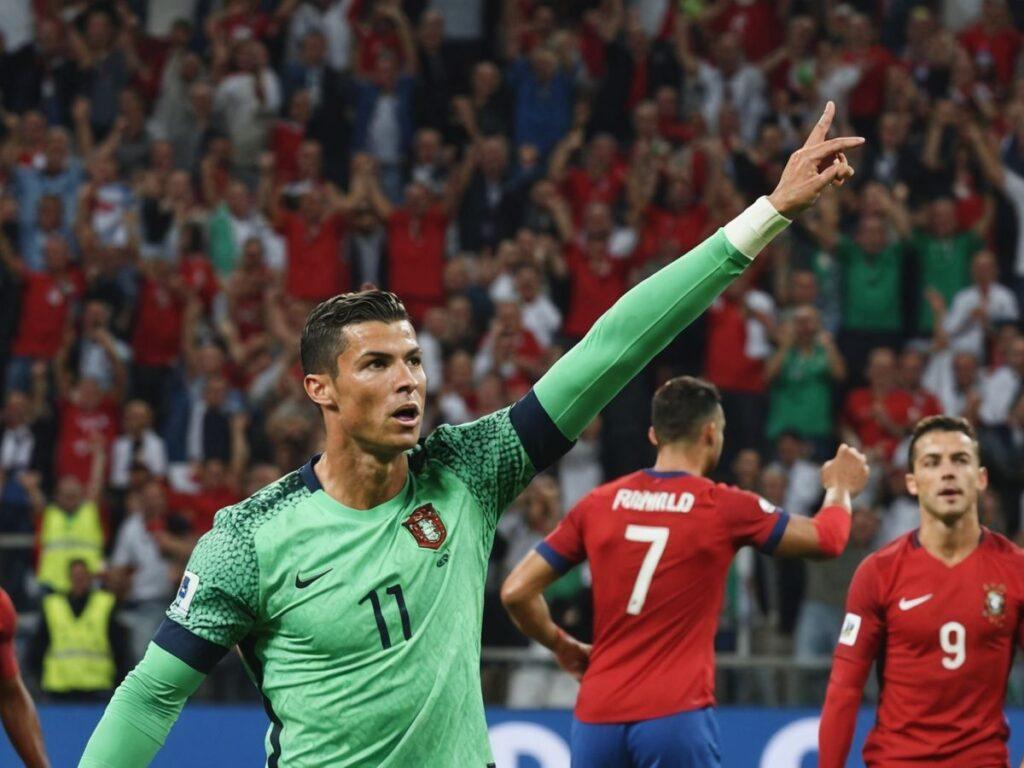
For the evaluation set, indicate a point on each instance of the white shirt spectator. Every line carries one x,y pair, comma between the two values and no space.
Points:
453,409
803,487
16,24
999,391
744,91
758,345
541,318
433,361
333,22
902,516
161,15
16,449
967,332
150,451
1013,186
579,472
939,379
135,547
957,14
385,130
463,19
243,116
93,362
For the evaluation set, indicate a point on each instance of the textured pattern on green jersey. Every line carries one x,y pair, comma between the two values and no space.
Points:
486,456
227,604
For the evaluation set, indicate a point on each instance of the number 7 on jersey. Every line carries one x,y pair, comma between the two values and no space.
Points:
657,537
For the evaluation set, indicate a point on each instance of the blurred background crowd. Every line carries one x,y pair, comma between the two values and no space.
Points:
182,180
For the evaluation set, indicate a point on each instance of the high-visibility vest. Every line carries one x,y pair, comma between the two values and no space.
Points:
79,657
63,538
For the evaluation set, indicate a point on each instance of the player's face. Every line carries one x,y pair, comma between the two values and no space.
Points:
946,476
379,391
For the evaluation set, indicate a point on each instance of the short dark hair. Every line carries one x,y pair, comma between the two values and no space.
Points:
940,424
681,406
322,338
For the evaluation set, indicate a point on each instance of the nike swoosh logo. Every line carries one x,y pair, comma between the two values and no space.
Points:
301,583
906,605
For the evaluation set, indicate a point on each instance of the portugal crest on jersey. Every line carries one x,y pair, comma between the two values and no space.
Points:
426,527
995,603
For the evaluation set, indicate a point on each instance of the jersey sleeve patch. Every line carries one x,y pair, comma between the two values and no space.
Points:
186,591
851,628
197,652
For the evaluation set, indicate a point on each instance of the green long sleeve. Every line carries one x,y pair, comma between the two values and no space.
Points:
633,331
141,712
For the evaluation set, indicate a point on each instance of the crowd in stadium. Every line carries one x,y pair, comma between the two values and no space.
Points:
183,180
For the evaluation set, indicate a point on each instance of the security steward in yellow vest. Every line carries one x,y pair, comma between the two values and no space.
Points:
79,648
70,527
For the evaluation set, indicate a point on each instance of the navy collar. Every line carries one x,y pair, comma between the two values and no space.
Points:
309,476
666,473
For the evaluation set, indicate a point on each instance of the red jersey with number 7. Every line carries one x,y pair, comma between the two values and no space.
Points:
659,546
944,639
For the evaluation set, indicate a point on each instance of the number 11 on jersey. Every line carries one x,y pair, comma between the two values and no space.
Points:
657,537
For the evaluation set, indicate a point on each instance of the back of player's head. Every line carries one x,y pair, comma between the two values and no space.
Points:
681,407
940,424
322,336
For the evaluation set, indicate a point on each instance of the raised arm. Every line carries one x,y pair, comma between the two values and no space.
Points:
650,315
826,534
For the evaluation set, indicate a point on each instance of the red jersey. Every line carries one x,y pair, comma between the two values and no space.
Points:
901,407
8,623
726,364
944,639
582,189
77,425
592,291
416,258
315,269
45,303
159,326
659,546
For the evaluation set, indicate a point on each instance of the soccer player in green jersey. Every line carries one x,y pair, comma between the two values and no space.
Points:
353,587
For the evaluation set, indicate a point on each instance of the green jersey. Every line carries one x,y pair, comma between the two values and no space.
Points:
362,627
327,602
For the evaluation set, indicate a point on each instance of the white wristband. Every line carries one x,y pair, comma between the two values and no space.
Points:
753,229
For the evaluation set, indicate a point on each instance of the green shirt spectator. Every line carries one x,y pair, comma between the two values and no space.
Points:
872,295
801,373
943,258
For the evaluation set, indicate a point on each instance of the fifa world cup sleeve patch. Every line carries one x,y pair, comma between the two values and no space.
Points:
850,630
186,591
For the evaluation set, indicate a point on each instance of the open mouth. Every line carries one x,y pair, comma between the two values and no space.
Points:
950,493
407,414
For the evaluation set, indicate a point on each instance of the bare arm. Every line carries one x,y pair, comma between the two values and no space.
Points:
774,364
560,157
843,477
836,363
523,598
98,470
375,195
458,181
22,723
